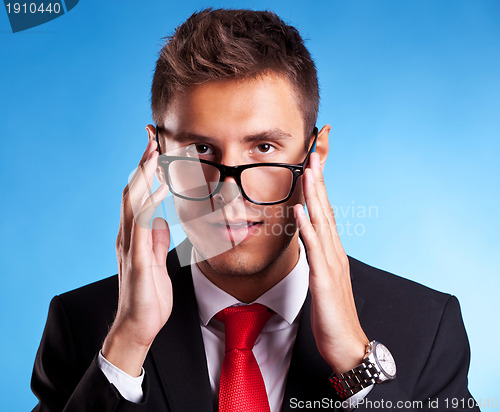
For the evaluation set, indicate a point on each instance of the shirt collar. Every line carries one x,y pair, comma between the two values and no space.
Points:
285,298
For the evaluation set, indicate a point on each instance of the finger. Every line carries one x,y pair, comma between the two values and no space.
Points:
143,218
312,241
138,192
319,220
120,253
325,203
126,206
320,185
150,148
161,240
141,240
140,188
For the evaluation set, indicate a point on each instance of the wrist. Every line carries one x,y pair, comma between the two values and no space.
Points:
124,353
351,356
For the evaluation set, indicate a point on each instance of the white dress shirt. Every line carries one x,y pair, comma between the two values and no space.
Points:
272,349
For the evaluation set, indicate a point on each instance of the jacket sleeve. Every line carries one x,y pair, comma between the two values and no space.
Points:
442,381
60,380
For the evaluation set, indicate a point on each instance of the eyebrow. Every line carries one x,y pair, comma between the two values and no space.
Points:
276,135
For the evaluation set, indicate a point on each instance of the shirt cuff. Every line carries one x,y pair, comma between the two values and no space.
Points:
352,402
129,387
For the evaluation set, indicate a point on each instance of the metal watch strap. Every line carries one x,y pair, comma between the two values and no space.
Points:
351,382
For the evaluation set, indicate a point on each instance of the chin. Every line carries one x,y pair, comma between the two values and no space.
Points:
235,264
248,258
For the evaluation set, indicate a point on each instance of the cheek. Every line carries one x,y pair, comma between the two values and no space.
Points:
190,211
279,225
283,212
279,215
192,216
184,211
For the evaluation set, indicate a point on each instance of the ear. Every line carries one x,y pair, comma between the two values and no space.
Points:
151,132
322,144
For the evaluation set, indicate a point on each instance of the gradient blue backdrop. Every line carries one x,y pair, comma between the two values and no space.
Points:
411,88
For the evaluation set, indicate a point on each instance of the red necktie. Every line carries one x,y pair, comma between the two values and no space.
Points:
242,388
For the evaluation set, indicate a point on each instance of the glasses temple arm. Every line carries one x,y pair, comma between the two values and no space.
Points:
157,140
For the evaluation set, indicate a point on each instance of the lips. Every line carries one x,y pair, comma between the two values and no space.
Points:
235,231
236,225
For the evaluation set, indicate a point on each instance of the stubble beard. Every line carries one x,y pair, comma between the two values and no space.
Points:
236,262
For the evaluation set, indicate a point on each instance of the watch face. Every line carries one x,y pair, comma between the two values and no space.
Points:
385,360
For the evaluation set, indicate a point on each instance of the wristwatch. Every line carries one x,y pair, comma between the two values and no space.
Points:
378,366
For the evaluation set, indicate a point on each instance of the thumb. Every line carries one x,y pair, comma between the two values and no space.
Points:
161,239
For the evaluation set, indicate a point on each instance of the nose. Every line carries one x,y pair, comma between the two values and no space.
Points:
228,192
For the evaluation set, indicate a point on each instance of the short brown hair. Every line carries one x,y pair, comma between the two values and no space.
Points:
233,44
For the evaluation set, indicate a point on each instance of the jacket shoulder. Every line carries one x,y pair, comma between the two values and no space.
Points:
98,292
371,281
86,314
392,307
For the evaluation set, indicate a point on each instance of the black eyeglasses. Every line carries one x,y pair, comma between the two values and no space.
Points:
259,183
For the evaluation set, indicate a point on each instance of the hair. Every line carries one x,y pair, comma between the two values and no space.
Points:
234,44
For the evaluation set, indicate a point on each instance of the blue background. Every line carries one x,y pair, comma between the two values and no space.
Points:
411,88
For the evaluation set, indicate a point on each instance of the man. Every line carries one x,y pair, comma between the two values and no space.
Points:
259,319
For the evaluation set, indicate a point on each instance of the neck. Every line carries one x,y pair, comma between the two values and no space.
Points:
247,288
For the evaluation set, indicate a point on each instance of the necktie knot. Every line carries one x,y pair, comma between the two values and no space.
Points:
243,325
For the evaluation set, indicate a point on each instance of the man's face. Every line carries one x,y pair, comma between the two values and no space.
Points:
236,122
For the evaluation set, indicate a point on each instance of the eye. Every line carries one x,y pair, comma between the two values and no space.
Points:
195,150
203,149
265,148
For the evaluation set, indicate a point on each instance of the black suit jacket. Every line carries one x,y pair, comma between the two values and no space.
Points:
423,329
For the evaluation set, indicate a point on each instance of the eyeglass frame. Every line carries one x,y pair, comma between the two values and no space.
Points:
235,172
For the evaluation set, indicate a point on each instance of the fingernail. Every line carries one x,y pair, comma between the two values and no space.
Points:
299,210
159,223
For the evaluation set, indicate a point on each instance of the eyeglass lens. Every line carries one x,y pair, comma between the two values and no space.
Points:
198,180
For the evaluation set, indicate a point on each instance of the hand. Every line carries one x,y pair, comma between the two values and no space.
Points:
335,324
145,294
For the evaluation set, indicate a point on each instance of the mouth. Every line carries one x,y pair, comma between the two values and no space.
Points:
236,225
235,231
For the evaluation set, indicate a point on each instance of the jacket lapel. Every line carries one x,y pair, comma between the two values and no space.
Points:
178,351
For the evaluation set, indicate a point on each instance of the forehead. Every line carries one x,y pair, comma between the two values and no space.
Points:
234,108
